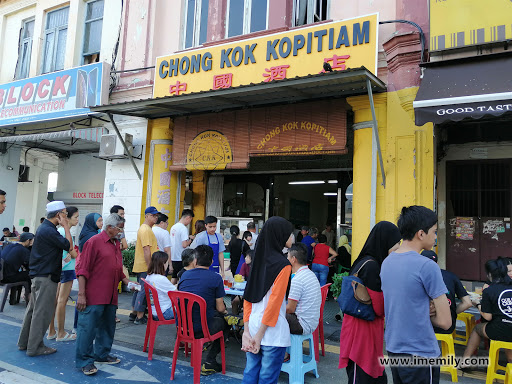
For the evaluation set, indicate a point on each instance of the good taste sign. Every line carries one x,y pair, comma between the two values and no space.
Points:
482,109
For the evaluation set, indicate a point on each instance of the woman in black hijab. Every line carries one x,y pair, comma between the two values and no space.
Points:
89,229
361,341
266,333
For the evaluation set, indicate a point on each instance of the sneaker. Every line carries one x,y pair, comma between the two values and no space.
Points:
109,360
89,369
210,368
132,317
142,320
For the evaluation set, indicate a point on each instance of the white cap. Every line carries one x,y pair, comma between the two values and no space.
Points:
55,206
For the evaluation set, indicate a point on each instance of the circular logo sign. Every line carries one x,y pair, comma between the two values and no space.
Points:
505,302
210,150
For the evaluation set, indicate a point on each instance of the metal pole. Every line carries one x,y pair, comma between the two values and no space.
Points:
376,130
124,145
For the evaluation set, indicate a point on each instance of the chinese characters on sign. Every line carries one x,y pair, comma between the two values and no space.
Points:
275,73
222,81
176,89
163,180
336,62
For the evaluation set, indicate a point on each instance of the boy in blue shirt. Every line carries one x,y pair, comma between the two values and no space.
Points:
414,298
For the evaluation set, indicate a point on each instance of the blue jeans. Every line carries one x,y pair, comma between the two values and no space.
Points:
139,297
96,323
321,272
264,367
168,315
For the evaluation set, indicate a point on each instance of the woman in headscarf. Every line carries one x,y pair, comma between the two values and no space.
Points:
267,334
344,255
92,225
361,341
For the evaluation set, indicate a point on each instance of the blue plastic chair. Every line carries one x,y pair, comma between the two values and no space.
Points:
299,364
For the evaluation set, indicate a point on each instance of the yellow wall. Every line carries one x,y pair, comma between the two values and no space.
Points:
407,152
199,196
159,129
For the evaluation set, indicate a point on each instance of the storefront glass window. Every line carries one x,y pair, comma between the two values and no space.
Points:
242,199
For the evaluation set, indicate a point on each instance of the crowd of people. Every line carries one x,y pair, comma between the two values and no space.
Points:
411,297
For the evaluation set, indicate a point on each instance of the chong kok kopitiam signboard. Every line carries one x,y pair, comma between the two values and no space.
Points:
300,52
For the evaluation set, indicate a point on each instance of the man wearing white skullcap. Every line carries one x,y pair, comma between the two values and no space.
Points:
45,269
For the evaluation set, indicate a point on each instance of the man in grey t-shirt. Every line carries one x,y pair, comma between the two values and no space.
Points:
414,297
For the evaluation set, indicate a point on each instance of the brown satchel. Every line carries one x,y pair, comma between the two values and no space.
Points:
360,292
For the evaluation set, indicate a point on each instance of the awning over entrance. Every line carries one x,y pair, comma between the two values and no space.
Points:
63,143
345,83
465,88
90,134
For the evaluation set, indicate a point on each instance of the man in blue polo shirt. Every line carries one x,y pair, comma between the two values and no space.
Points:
209,285
310,241
45,269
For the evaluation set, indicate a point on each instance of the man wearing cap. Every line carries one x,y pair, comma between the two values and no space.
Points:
144,247
45,269
15,256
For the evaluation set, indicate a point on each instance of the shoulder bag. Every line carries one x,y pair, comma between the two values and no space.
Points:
354,299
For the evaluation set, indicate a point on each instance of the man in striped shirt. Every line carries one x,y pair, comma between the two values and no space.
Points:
303,308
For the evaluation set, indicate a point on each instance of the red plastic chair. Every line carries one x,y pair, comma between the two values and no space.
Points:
319,331
152,325
182,304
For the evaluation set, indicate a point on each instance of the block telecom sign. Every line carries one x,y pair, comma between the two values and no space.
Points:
300,52
56,95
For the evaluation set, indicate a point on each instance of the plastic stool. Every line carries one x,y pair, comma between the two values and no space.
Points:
508,374
299,363
448,349
469,321
494,354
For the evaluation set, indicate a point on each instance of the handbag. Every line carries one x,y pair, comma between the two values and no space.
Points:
354,299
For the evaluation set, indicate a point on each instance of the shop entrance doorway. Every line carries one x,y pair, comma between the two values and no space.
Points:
479,200
309,198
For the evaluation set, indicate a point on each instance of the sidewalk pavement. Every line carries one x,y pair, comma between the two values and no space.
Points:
129,339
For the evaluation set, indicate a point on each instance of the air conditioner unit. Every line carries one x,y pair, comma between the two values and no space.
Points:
112,148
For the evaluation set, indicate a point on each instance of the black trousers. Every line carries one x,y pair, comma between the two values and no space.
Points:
414,375
215,324
356,375
293,322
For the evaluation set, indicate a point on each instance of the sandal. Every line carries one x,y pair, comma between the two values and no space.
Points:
68,337
89,369
48,337
118,320
109,360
